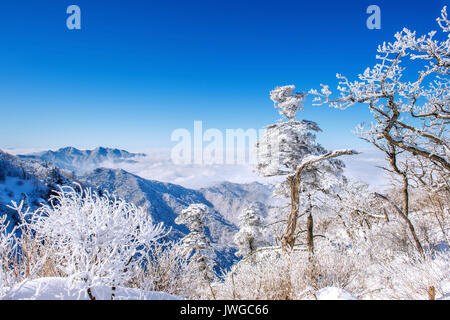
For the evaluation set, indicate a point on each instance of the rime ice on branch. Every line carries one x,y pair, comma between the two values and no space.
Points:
411,114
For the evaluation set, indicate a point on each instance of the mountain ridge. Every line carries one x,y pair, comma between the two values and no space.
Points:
162,200
82,161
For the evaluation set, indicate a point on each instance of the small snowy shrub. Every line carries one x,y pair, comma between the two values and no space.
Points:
22,256
167,270
5,245
250,236
96,239
281,275
409,277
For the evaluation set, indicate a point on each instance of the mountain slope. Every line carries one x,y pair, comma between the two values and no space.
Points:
27,180
231,198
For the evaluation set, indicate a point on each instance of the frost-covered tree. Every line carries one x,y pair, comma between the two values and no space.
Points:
98,240
250,237
399,169
196,244
407,93
289,147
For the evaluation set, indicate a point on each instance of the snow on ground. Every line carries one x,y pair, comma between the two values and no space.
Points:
53,288
333,293
13,188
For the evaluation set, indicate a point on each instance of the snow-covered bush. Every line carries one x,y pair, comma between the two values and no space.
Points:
167,269
277,274
5,246
411,277
22,256
96,239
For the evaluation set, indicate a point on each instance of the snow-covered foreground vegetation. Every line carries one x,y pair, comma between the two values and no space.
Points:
86,246
54,288
330,239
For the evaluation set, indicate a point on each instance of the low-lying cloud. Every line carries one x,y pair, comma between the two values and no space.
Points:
157,165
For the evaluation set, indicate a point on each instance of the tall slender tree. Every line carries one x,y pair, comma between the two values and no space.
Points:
289,148
196,244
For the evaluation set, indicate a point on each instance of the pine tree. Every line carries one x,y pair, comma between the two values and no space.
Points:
196,244
289,147
249,237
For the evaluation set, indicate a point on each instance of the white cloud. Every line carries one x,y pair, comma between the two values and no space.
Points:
363,167
17,151
158,166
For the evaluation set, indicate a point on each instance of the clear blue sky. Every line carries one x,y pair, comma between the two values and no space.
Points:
140,69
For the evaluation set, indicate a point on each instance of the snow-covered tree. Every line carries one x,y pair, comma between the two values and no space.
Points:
98,240
408,94
250,236
287,101
289,147
410,108
196,244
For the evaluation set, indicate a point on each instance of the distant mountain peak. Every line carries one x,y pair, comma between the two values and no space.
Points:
81,161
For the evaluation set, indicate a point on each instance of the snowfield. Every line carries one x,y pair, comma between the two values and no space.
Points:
333,293
53,288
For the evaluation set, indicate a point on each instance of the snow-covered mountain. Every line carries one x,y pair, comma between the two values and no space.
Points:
231,198
32,181
34,177
28,180
82,161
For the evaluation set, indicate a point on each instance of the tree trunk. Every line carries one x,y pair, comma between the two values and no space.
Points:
405,194
408,223
91,296
414,235
288,238
310,232
113,292
431,293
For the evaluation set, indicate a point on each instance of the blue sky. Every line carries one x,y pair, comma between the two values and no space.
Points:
137,70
